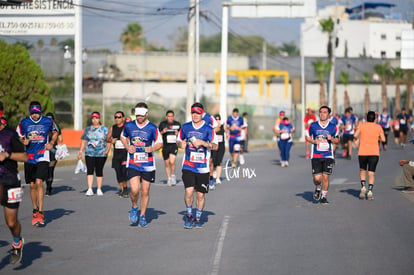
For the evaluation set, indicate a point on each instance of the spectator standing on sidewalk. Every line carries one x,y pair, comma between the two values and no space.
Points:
93,142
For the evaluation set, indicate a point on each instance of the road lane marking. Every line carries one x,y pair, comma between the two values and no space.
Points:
220,243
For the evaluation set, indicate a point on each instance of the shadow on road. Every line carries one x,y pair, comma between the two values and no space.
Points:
352,192
307,196
276,162
51,215
63,188
31,252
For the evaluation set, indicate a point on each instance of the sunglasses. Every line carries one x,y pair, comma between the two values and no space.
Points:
117,117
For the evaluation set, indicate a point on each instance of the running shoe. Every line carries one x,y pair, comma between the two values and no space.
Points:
173,180
211,184
317,193
89,192
344,153
125,193
286,163
197,224
214,174
282,163
35,217
233,165
41,218
370,196
133,215
218,181
241,159
99,192
188,222
142,221
324,201
169,182
362,193
48,192
17,252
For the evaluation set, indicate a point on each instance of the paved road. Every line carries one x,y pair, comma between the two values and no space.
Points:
266,224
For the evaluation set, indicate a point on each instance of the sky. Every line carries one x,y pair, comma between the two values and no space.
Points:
105,20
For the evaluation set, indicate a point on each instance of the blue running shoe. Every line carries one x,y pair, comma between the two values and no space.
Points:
142,221
188,222
211,184
133,215
197,224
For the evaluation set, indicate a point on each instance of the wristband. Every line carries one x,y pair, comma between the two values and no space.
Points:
9,154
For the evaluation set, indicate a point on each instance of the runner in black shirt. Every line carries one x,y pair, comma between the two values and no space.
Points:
169,129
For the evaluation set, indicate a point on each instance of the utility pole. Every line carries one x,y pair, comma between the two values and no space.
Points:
332,77
77,108
191,59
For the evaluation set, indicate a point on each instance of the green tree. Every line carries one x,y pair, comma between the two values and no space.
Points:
132,37
383,71
321,69
25,44
366,78
397,75
344,79
328,26
290,49
21,81
40,44
53,42
180,39
67,42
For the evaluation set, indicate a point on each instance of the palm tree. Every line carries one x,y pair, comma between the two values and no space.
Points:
328,26
397,75
344,78
383,71
366,77
409,104
321,69
132,37
40,44
290,49
53,42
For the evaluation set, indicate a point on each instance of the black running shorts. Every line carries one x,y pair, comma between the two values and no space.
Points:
198,181
322,166
39,170
368,163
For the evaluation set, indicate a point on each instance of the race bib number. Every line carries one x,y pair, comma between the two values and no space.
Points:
402,121
285,136
348,127
171,138
197,157
220,138
323,146
236,147
397,127
119,145
140,157
15,195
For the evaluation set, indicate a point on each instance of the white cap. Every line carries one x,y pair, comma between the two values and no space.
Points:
140,111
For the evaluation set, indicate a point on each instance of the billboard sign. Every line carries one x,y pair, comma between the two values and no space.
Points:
273,8
44,25
39,7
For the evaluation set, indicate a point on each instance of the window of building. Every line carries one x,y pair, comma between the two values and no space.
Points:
398,37
383,54
398,54
383,36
